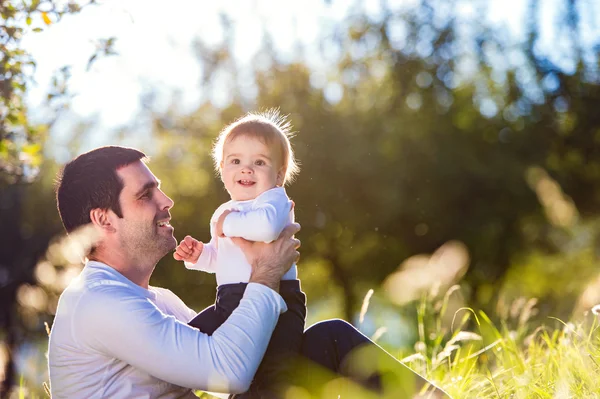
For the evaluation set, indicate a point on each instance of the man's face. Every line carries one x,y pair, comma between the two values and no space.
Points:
144,230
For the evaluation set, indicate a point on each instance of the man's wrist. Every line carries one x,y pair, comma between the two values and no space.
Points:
265,275
253,287
274,285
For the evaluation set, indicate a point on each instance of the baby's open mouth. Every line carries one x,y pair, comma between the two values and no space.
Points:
246,182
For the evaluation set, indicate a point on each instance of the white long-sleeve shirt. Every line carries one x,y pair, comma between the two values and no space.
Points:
259,219
114,339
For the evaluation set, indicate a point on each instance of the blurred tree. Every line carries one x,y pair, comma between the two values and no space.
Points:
25,238
420,135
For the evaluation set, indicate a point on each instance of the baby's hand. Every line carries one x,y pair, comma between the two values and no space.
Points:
188,250
219,226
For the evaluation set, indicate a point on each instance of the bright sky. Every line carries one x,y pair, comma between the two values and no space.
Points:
154,42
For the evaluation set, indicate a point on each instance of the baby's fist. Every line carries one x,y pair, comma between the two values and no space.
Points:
188,250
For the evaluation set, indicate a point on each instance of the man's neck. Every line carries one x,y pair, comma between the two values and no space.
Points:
137,272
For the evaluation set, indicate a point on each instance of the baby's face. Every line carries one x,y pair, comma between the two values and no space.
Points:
249,168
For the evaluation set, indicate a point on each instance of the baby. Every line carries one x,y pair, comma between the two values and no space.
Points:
255,160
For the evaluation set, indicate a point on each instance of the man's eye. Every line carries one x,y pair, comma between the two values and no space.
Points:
146,195
235,161
259,162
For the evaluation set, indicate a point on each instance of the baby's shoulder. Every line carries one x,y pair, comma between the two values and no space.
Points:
274,194
222,208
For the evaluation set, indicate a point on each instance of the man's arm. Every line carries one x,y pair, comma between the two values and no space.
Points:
134,330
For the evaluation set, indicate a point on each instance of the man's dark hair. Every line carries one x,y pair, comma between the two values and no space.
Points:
90,181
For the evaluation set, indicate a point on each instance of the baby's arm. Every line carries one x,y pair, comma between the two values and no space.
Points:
188,250
264,222
197,255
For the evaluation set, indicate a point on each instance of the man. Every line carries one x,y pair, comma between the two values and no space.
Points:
114,336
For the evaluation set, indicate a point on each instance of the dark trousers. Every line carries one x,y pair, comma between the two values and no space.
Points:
312,359
286,341
334,348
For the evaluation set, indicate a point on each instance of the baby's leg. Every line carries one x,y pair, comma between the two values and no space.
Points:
211,318
207,321
285,346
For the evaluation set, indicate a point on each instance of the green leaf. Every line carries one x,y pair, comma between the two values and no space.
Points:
34,5
32,149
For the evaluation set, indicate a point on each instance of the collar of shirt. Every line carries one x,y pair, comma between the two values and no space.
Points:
116,278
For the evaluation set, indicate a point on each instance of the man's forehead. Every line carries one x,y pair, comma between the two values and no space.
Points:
135,176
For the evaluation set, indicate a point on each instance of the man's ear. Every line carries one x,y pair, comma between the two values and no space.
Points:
101,219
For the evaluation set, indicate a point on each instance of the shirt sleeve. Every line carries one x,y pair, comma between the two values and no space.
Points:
268,216
175,306
117,323
207,261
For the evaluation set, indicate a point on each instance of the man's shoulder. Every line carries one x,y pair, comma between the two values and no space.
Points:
91,299
96,286
100,281
100,305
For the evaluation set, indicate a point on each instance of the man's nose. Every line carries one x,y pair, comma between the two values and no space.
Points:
166,202
247,169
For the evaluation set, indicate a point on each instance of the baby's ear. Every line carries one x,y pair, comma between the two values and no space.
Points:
281,176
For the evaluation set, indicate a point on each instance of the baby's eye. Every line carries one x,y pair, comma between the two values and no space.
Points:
235,161
259,162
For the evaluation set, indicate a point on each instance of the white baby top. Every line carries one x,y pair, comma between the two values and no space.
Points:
259,219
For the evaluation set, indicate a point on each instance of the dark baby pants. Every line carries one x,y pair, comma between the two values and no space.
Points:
310,357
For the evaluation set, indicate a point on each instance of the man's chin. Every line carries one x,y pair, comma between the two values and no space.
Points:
166,245
171,244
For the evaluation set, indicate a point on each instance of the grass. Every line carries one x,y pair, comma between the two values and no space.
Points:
472,357
519,357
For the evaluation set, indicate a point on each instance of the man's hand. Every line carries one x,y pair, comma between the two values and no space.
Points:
271,261
219,226
188,250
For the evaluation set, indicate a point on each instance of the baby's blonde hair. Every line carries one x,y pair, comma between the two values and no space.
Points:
271,128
